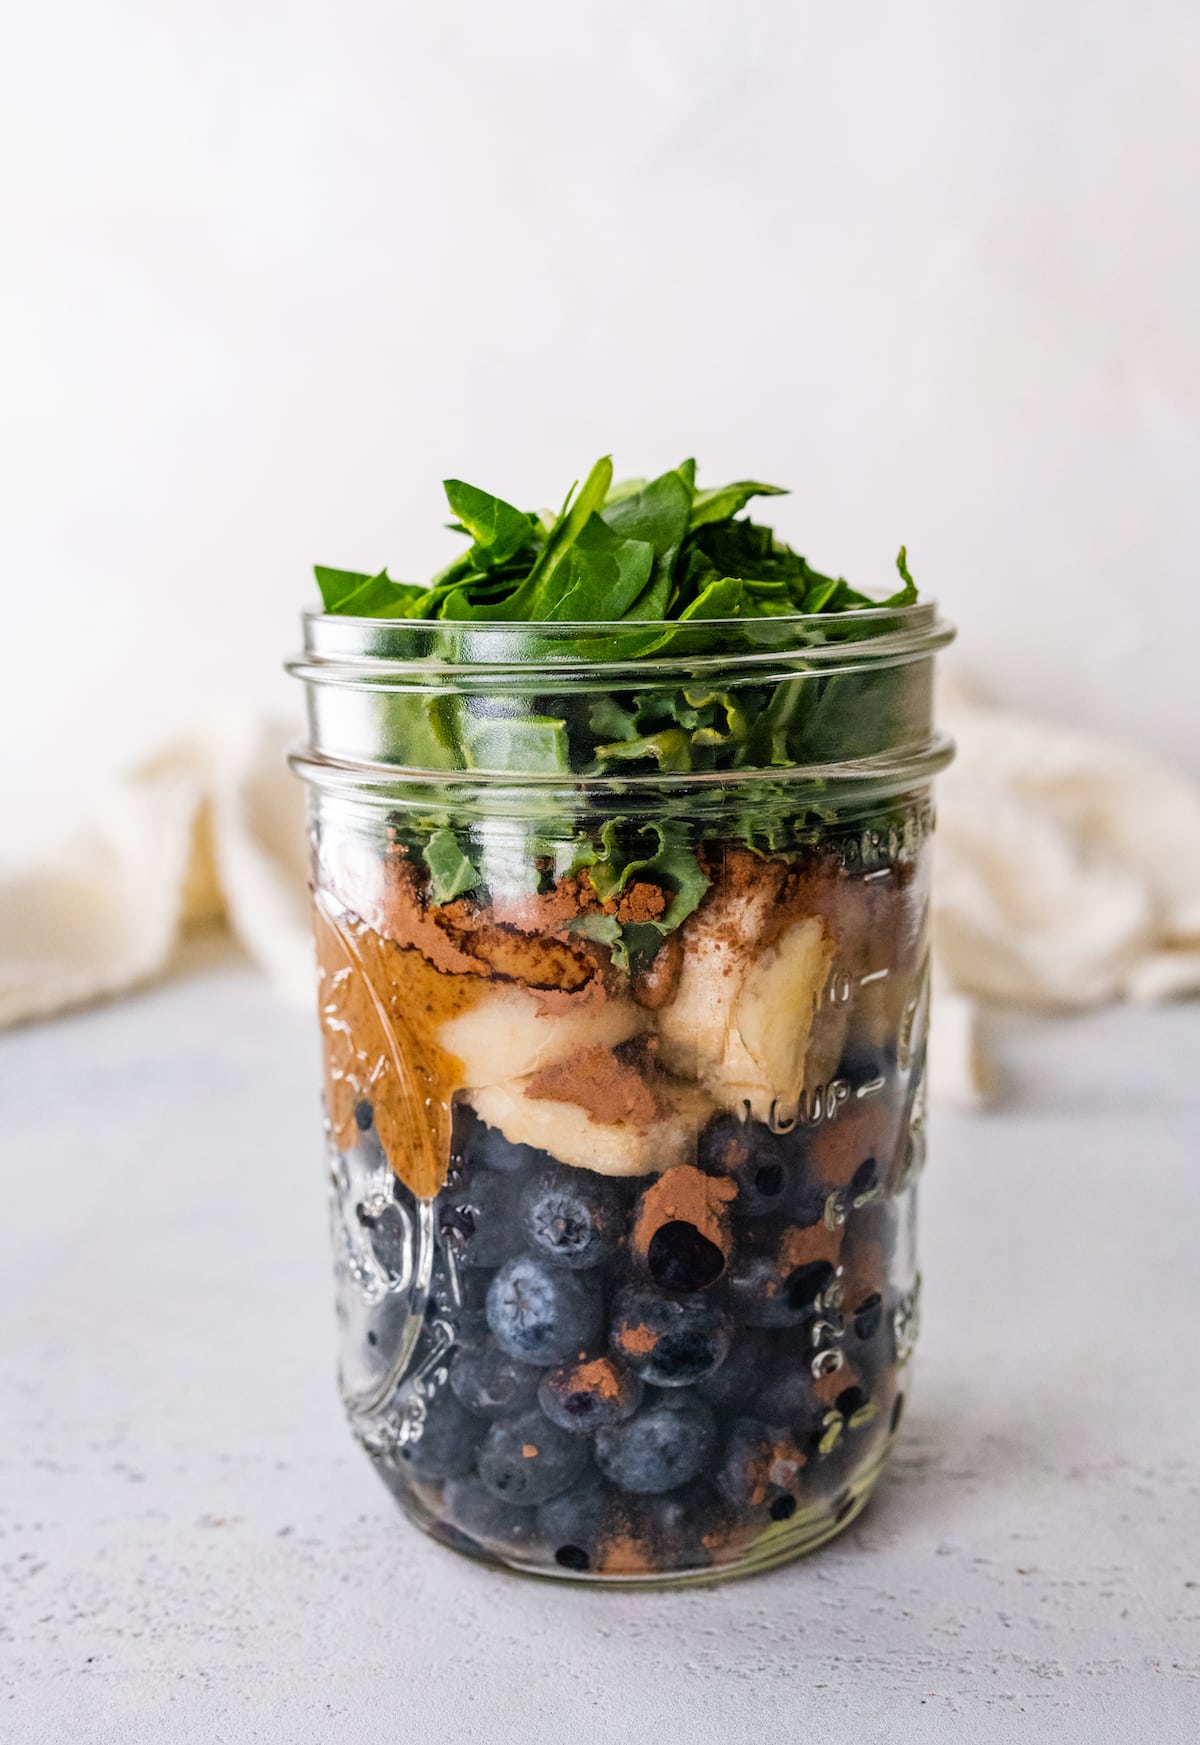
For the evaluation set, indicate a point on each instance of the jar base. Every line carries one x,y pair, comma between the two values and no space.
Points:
781,1543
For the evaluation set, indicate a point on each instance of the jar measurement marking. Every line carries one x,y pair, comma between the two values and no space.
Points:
842,984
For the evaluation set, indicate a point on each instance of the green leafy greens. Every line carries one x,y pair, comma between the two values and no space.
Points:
655,556
643,550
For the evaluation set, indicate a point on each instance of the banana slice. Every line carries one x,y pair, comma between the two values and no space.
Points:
696,1024
571,1135
742,1017
774,1017
506,1035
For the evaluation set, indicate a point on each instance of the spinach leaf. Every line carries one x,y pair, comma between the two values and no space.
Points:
359,596
529,744
659,513
641,551
450,872
575,513
725,501
907,595
498,530
657,558
599,576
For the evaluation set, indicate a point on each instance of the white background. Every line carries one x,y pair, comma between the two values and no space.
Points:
272,270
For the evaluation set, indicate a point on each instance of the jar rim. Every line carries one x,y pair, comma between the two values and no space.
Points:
343,649
574,626
712,704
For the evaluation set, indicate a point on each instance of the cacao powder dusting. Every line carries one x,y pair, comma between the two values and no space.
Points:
870,1129
547,911
637,1341
864,1273
600,1376
773,1468
464,937
801,1244
611,1090
624,1554
826,1388
685,1195
642,902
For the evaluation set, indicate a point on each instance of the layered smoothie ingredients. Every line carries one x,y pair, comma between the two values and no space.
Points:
622,945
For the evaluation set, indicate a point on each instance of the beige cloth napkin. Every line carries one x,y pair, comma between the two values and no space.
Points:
212,829
1067,874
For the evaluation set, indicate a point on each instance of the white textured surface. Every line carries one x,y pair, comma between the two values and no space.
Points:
192,1550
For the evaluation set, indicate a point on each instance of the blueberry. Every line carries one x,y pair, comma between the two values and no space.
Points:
479,1220
667,1341
572,1216
582,1397
488,1148
788,1398
760,1464
471,1331
491,1382
851,1400
526,1460
767,1293
783,1508
752,1154
447,1443
742,1372
804,1284
676,1524
773,1170
364,1115
484,1517
575,1523
681,1258
660,1447
868,1316
540,1313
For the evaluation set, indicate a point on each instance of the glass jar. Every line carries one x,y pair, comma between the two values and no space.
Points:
623,963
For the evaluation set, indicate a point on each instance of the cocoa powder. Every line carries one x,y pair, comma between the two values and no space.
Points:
612,1090
642,902
685,1195
600,1375
803,1243
626,1555
636,1341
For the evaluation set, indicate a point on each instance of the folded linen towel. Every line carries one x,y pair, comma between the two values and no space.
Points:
1067,872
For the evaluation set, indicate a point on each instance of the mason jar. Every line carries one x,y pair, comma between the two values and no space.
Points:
622,944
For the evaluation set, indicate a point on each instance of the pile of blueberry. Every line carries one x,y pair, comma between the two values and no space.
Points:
631,1392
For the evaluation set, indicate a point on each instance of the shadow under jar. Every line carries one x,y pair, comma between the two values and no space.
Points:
623,959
